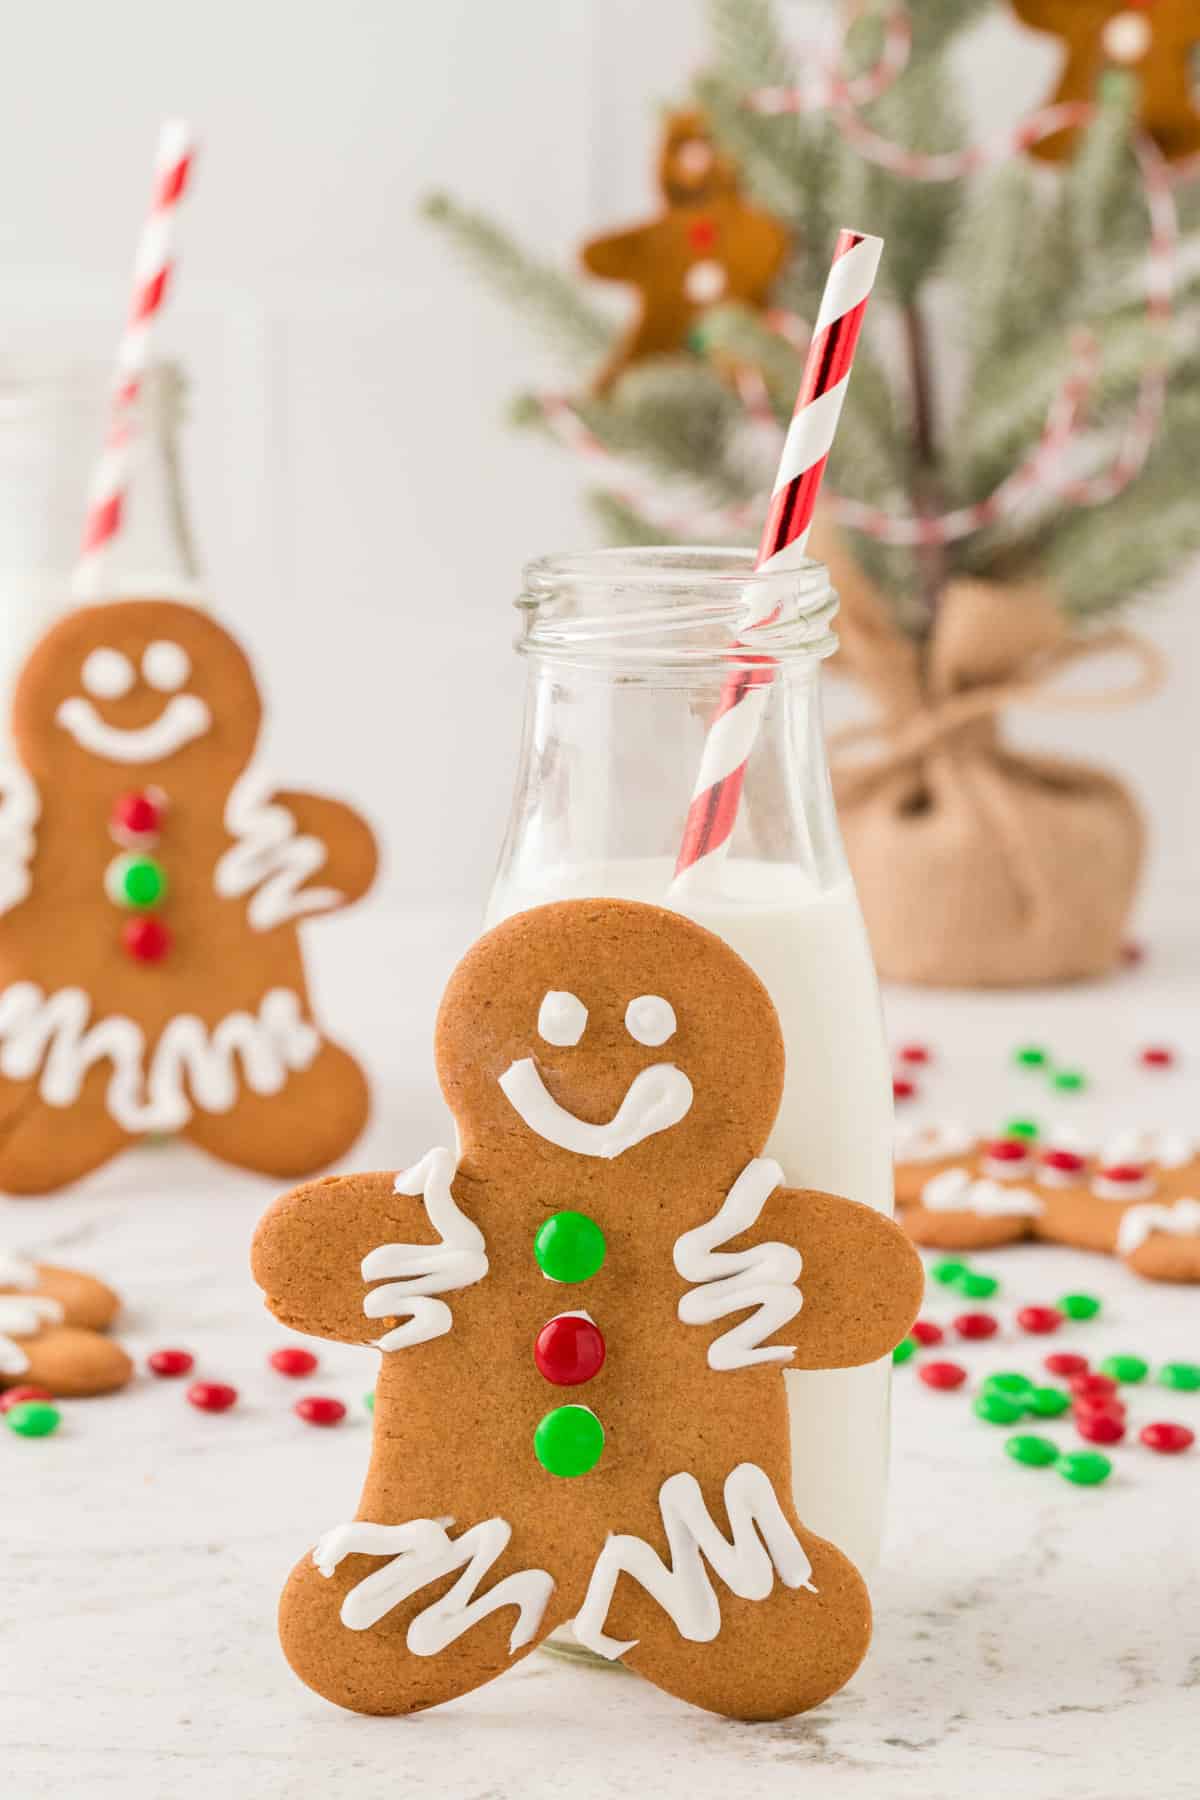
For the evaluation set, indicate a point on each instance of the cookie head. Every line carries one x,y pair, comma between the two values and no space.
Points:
691,169
601,1034
148,688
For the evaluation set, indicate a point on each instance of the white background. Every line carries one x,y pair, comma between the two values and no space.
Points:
362,510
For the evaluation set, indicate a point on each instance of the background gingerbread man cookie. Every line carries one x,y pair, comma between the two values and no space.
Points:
151,977
51,1320
603,1288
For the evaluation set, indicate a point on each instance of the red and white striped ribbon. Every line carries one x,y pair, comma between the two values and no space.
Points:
152,267
734,728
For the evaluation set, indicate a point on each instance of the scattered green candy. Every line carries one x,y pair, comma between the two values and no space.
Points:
1085,1467
568,1441
1079,1306
1069,1081
1037,1452
1021,1128
904,1349
1048,1402
369,1401
1016,1387
977,1286
949,1272
997,1408
33,1418
1031,1056
569,1247
1184,1376
1125,1368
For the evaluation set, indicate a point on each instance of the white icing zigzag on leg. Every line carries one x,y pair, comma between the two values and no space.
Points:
763,1277
421,1552
459,1261
763,1542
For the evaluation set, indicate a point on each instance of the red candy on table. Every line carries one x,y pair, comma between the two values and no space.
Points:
146,939
942,1374
137,815
903,1088
212,1396
1064,1162
292,1360
914,1053
1039,1319
1099,1427
1065,1362
1157,1056
926,1332
976,1325
569,1349
1168,1439
319,1409
1092,1387
169,1362
15,1396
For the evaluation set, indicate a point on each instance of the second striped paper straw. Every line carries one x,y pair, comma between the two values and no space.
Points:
734,728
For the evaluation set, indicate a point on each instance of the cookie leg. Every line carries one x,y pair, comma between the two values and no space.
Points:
72,1363
46,1147
418,1624
310,1123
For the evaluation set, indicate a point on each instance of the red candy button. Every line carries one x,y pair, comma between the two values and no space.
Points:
568,1350
137,816
292,1360
942,1374
212,1396
169,1362
1125,1172
1099,1427
319,1409
976,1325
1092,1387
702,234
1008,1150
903,1088
1157,1056
1166,1438
146,939
1066,1162
1039,1319
15,1396
1065,1362
914,1053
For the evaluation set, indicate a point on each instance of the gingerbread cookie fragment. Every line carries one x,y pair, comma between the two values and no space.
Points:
51,1320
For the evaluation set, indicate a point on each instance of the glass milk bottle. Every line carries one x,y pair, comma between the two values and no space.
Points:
628,652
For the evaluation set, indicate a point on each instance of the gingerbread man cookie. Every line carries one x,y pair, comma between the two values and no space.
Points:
50,1325
1134,1197
151,977
584,1318
710,246
1158,41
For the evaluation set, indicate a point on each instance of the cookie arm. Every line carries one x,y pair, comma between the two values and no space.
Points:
620,257
861,1280
352,855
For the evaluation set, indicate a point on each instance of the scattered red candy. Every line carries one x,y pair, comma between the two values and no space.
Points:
1092,1387
14,1396
976,1325
915,1053
169,1362
137,815
942,1374
1099,1427
903,1088
212,1396
1004,1150
319,1409
1157,1056
146,939
1039,1319
569,1350
1166,1438
926,1332
292,1360
1065,1362
1065,1162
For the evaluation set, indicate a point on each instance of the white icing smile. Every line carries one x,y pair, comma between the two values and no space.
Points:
182,719
656,1099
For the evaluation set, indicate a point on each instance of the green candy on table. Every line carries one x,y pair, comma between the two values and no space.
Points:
1048,1402
1031,1056
1086,1468
1079,1306
33,1418
1021,1128
1016,1387
1184,1376
369,1401
997,1408
1125,1368
904,1349
976,1285
1036,1452
949,1271
1069,1081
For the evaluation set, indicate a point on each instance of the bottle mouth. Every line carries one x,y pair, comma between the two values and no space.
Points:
674,607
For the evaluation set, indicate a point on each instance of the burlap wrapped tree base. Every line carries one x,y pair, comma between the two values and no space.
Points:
978,865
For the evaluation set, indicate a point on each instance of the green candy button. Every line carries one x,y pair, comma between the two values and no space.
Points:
33,1418
1036,1452
1084,1467
1181,1375
568,1441
569,1247
136,881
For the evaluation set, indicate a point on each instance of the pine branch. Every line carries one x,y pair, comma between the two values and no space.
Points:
550,301
621,525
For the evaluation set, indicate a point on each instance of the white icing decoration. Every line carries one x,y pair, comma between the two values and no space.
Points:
562,1018
656,1099
19,808
1169,1149
763,1542
930,1143
269,855
1127,37
1019,1169
650,1019
23,1315
459,1261
166,666
705,282
1069,1137
1104,1188
16,1272
954,1190
1181,1219
763,1277
52,1034
107,674
181,720
421,1553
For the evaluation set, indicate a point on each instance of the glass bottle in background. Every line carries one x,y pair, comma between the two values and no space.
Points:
628,652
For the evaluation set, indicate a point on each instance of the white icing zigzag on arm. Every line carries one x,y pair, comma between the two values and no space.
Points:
459,1261
763,1277
420,1553
763,1543
1181,1218
24,1316
268,855
19,809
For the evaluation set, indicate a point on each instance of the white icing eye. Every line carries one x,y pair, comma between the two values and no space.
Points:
107,674
166,666
561,1018
650,1019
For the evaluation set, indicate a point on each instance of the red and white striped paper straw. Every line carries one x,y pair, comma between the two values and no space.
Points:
732,733
152,267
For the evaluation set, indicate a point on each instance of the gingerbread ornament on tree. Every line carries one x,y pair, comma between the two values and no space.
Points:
709,246
1157,41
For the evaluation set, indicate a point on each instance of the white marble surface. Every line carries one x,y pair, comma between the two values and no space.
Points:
1030,1635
